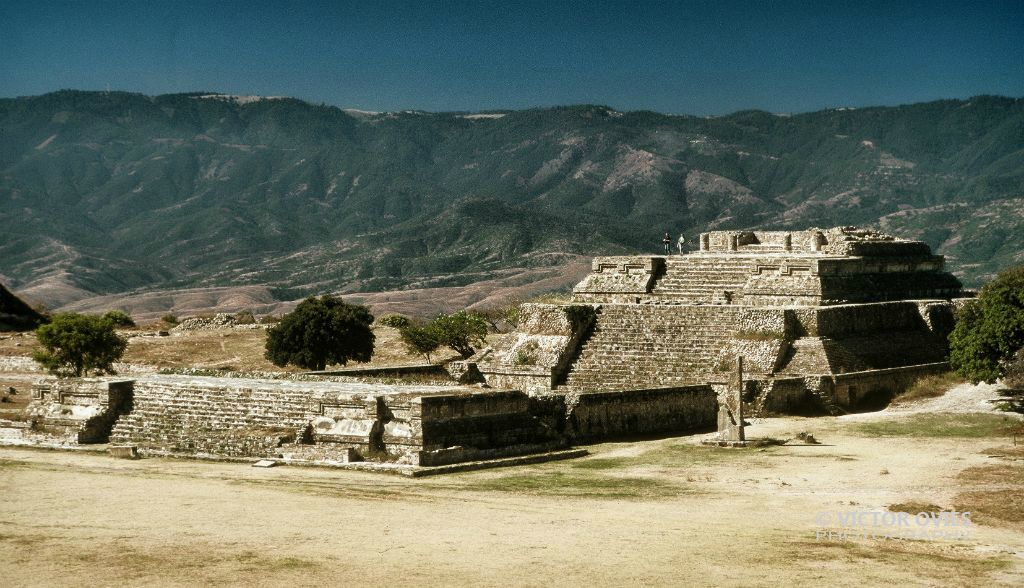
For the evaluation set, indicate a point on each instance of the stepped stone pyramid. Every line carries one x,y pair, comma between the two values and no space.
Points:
834,317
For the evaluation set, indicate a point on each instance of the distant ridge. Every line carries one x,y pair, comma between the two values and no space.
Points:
111,193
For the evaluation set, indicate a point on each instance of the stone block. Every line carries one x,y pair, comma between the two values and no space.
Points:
124,451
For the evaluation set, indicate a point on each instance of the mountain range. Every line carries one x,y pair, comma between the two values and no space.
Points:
109,197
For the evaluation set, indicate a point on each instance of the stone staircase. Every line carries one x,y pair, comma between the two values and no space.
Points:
651,346
827,402
180,419
699,279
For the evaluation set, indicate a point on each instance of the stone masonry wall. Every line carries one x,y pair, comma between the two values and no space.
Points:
427,425
849,319
606,415
853,389
479,426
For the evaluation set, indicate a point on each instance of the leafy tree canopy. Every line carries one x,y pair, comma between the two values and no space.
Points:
119,318
990,330
76,345
321,331
460,331
420,339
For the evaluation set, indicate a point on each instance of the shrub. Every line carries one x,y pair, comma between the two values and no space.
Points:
990,330
321,331
526,354
395,321
502,319
420,339
460,331
119,318
76,344
170,319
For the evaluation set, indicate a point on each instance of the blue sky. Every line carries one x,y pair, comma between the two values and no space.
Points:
674,57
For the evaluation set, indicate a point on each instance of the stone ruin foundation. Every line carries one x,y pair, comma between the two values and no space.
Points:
825,321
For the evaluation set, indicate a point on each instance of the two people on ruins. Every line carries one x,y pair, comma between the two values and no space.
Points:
667,242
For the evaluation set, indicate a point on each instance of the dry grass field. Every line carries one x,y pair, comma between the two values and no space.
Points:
225,349
654,512
663,511
242,350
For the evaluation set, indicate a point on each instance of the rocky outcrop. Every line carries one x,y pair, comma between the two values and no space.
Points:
15,315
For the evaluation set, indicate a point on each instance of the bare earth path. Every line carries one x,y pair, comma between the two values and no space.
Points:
663,512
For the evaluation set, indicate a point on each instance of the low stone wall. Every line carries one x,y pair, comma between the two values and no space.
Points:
420,425
217,322
482,426
26,365
853,389
599,416
340,422
835,394
18,364
421,369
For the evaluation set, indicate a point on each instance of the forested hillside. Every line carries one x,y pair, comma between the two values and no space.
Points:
114,192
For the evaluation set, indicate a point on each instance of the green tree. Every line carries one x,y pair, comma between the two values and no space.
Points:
119,318
461,331
419,339
321,331
76,344
502,318
990,330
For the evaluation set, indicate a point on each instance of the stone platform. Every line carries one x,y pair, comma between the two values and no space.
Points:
827,320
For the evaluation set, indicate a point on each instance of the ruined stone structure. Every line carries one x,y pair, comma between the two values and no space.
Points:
825,319
819,320
304,421
79,411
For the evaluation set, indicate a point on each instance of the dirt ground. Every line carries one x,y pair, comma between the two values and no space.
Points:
653,512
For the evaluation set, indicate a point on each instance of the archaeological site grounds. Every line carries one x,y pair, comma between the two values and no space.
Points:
746,406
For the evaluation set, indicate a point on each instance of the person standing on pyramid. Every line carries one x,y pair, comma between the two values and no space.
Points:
681,243
667,242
